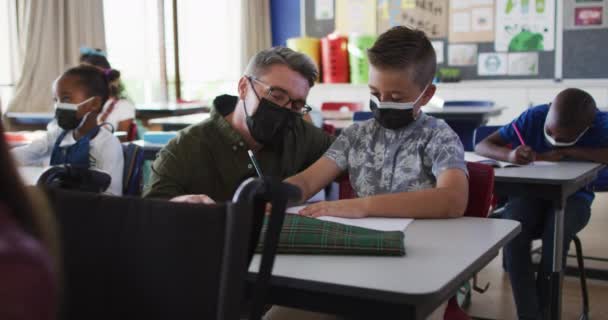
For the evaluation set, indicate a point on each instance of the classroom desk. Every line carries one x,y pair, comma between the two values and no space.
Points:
177,123
163,110
440,256
29,120
554,183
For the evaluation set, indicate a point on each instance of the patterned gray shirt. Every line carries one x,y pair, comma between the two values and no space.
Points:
379,160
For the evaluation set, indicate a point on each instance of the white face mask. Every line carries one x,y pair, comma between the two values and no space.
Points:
70,106
554,143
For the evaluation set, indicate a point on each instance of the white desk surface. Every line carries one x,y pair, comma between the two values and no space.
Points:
557,173
187,119
30,174
437,253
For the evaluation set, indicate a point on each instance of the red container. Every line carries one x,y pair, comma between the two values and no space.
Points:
334,59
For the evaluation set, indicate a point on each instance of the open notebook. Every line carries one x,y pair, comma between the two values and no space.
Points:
381,224
472,157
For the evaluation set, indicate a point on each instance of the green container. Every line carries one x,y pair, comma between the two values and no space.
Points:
357,57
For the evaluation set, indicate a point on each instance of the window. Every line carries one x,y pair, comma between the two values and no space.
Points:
7,65
141,46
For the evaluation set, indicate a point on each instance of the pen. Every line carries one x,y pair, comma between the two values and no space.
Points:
255,163
521,139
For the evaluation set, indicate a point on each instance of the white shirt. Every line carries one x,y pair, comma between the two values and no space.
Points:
105,154
123,110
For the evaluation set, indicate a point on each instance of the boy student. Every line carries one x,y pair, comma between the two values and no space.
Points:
206,162
569,128
401,163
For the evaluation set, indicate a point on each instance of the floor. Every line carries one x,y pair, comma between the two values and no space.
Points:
497,302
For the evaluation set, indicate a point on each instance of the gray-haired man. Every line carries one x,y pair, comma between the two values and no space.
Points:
208,161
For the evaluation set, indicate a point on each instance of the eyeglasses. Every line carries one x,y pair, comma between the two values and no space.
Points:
282,98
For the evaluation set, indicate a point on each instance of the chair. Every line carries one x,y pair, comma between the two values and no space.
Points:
481,188
362,115
468,103
339,106
132,258
133,169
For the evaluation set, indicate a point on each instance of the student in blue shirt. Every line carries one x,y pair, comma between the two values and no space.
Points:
570,128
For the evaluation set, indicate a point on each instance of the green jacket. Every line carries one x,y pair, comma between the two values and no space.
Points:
211,157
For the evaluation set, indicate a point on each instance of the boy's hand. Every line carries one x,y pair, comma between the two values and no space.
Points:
340,208
194,198
553,155
522,155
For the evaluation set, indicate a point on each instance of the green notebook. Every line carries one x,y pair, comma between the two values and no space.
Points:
303,235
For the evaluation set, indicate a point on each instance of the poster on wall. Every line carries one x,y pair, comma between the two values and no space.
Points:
585,14
492,64
324,9
525,25
462,54
430,16
356,16
471,21
438,46
523,64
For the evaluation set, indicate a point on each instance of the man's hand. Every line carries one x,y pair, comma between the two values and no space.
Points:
193,198
522,155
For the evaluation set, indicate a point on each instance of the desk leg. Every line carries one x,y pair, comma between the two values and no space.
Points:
556,277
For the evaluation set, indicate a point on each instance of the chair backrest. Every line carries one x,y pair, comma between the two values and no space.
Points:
468,103
482,132
481,189
132,132
133,258
362,115
132,178
338,106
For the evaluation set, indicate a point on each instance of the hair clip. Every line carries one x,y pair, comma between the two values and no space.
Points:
92,52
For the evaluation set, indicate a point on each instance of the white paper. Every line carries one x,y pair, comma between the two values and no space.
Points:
482,19
492,64
381,224
523,64
324,9
461,22
524,25
462,54
438,46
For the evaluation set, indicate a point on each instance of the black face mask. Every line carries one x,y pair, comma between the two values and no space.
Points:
66,119
392,118
269,123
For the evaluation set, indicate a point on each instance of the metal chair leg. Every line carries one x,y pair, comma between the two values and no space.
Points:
582,276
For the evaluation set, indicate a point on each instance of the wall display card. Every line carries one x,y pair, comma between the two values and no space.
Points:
523,64
462,54
355,16
492,64
525,25
438,46
324,9
585,14
430,16
471,21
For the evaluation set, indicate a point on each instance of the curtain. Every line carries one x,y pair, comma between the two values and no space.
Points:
49,34
255,28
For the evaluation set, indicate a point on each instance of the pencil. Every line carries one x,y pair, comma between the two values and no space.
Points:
521,139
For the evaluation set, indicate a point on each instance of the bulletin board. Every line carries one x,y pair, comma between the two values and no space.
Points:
485,39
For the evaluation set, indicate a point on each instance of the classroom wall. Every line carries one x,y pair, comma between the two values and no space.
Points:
515,95
285,18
